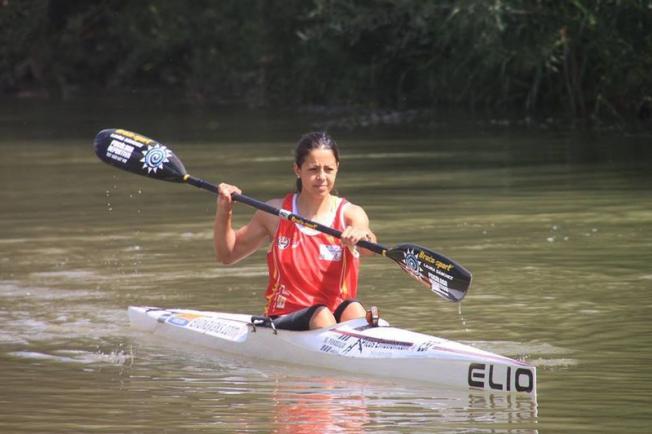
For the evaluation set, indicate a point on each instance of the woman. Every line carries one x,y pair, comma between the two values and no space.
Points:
313,277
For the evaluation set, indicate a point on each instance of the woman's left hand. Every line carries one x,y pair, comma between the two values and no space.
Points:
351,236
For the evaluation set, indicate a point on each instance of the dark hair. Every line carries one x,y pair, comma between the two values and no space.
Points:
310,141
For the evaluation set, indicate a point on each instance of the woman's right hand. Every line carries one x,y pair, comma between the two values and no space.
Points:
224,200
232,245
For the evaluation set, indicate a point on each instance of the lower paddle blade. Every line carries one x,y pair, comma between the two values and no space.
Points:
138,154
442,275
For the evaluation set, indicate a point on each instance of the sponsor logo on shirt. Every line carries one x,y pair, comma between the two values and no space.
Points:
281,297
283,242
330,252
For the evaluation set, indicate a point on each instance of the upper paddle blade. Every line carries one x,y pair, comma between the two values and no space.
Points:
138,154
442,275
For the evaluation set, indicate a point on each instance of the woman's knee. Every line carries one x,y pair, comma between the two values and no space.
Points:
354,310
322,317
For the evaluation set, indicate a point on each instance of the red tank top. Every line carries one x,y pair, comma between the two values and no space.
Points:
307,267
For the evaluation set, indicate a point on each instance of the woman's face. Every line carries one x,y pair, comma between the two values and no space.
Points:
318,172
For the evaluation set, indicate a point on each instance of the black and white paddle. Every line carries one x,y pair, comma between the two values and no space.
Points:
144,156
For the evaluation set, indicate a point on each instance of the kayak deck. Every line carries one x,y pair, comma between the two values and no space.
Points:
352,346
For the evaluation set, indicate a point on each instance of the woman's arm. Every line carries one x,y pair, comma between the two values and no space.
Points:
232,245
357,228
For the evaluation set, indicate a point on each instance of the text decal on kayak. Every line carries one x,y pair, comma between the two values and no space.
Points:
488,376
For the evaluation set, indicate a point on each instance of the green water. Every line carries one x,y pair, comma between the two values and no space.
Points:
555,226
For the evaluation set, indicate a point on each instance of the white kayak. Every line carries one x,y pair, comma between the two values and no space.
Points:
351,346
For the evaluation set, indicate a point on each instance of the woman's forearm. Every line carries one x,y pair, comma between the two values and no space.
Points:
224,236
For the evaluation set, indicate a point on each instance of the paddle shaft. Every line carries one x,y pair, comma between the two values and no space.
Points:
283,213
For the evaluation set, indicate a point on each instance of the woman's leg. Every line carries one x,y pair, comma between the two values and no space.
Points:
349,309
299,320
322,318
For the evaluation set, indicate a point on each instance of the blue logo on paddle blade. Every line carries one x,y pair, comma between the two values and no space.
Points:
411,260
154,158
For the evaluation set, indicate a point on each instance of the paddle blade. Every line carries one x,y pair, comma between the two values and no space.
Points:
138,154
443,276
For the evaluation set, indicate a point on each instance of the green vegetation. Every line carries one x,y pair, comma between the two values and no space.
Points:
580,59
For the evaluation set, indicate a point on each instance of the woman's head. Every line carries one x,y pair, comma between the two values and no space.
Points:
328,153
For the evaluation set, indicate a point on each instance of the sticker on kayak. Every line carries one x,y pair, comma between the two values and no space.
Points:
181,320
221,328
346,342
217,327
504,378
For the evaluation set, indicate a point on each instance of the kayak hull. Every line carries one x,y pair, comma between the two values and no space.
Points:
351,346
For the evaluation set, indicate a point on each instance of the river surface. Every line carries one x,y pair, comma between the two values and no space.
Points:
555,226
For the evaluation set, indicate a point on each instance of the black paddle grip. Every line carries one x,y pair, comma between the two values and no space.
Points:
200,183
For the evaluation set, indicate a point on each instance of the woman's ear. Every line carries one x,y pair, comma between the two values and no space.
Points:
296,169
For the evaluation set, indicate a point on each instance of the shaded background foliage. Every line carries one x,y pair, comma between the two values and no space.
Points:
587,59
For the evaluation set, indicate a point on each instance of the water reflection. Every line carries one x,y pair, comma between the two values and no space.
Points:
335,404
317,406
298,400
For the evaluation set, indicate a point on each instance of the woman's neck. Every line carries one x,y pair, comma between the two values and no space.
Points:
314,208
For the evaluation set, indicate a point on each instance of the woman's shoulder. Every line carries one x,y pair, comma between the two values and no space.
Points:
353,212
347,205
277,202
267,220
